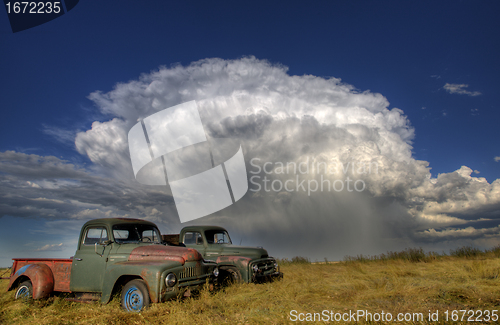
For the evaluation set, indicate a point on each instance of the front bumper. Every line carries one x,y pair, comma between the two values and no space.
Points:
260,278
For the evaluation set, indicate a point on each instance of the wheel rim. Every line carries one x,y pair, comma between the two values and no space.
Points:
23,292
133,299
234,276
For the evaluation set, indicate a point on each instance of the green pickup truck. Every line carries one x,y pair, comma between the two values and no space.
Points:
113,255
236,263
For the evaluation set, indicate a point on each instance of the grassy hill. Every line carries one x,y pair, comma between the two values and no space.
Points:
409,283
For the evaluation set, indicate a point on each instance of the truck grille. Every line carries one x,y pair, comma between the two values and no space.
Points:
190,272
266,266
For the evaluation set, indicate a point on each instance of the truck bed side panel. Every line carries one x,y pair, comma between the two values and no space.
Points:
172,239
60,267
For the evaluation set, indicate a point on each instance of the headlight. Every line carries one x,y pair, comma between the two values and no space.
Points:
255,268
216,272
276,266
170,280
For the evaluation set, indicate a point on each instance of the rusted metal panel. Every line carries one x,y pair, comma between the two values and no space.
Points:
60,269
40,276
12,278
171,239
240,261
160,252
62,273
146,258
152,280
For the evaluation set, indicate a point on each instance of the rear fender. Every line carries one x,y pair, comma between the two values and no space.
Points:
41,278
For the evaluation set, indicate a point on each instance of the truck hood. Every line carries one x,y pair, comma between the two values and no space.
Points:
164,253
253,252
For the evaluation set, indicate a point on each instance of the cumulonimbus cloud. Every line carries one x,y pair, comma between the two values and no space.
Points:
283,118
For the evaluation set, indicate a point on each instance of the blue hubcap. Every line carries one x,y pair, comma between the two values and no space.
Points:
133,299
23,293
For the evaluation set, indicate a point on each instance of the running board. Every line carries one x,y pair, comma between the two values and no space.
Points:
84,297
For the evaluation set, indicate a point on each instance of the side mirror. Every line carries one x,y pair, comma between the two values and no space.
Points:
103,244
107,242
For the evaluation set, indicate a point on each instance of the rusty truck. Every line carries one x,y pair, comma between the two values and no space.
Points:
116,255
236,263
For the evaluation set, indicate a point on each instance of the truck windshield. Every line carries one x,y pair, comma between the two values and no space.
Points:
134,233
217,237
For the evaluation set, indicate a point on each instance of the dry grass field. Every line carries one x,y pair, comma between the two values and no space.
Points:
407,283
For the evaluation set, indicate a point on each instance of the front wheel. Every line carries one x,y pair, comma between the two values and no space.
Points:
235,275
24,291
135,296
230,275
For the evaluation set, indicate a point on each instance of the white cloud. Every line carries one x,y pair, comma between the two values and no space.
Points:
455,233
460,89
240,94
497,159
21,164
458,194
51,247
64,136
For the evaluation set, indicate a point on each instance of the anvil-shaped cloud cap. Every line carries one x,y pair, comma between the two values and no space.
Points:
175,128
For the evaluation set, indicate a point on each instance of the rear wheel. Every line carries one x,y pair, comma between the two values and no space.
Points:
135,296
24,291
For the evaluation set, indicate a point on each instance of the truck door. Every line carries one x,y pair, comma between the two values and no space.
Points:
89,262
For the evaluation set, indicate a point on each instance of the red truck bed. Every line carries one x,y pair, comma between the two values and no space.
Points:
60,267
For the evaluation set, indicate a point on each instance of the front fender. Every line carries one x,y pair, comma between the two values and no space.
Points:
240,262
149,271
41,278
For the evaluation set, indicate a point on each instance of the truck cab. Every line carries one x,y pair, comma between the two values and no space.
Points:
237,263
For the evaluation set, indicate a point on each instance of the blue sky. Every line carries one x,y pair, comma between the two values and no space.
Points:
408,52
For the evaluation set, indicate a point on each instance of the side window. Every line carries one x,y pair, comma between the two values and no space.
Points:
95,235
192,238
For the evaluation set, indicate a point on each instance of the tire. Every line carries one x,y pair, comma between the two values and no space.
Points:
135,296
24,291
231,276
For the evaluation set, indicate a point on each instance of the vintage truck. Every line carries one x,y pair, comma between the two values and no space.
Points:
236,263
113,255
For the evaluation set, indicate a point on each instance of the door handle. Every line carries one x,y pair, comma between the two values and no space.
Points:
78,259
